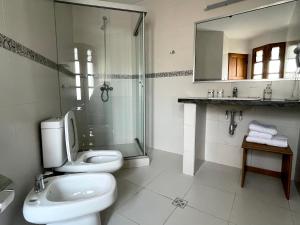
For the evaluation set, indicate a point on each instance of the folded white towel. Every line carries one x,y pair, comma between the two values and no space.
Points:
256,126
257,134
278,141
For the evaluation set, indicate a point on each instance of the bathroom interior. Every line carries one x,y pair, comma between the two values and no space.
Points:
150,112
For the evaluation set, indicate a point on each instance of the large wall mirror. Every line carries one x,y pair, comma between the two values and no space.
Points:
255,45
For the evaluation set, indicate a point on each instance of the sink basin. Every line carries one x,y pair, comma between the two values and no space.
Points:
71,199
238,98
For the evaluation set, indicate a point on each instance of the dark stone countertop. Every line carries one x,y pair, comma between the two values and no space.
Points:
245,102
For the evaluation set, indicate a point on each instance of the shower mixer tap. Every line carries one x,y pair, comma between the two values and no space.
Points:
105,89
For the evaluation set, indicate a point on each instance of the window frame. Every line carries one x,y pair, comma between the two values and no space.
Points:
267,52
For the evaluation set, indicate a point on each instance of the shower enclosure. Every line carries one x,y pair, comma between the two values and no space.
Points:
101,73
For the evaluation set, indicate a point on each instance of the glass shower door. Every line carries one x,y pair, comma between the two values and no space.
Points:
141,79
101,52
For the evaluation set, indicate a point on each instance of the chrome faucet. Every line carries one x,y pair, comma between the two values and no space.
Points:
39,182
235,92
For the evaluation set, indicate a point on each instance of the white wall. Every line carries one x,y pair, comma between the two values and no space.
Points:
28,95
167,30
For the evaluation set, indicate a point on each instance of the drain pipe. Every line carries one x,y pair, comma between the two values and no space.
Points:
233,124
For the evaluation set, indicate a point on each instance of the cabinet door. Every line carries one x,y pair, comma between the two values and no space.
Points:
237,66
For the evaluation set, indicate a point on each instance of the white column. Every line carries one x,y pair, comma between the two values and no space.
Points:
189,150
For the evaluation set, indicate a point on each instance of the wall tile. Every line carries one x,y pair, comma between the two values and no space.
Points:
21,156
31,23
25,81
1,17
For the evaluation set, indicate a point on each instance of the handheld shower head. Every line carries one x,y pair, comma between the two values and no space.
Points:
297,52
103,27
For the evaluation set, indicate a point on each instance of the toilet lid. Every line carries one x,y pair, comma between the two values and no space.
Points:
71,136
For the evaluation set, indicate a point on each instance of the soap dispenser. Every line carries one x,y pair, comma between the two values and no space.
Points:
268,92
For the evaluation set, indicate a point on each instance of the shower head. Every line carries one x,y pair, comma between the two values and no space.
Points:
104,18
297,52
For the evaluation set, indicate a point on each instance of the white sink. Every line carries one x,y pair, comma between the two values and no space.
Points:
71,199
238,98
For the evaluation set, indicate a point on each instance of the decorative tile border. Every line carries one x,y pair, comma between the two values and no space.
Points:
182,73
17,48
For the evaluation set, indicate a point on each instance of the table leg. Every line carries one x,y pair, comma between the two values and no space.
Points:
286,172
244,165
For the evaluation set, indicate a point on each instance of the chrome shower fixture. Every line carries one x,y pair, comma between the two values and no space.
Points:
105,20
105,88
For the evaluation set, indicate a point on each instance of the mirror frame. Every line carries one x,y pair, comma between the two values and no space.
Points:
223,17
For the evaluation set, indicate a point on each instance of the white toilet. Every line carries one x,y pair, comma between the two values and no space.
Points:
61,149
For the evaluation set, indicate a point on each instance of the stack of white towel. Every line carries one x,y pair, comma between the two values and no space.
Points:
266,134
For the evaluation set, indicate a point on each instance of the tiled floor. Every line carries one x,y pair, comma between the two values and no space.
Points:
214,197
128,150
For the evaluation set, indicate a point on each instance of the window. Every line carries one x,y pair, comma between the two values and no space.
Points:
90,72
268,61
77,75
291,66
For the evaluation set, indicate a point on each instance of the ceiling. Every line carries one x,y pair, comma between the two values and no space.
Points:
254,23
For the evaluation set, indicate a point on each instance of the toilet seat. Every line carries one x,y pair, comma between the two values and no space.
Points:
87,161
93,161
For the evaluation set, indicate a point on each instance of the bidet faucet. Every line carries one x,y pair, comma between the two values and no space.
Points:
39,183
235,92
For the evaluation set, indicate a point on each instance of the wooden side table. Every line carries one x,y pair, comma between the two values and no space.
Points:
286,168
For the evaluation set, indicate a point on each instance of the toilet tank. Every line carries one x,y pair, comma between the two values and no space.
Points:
53,142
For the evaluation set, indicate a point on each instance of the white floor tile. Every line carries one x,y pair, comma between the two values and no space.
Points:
211,200
126,190
214,196
218,176
147,208
190,216
165,160
250,211
264,188
115,219
140,176
171,184
295,200
296,217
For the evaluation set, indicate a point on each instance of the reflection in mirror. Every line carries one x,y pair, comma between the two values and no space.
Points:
254,45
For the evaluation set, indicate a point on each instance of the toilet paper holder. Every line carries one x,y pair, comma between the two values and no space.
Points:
7,192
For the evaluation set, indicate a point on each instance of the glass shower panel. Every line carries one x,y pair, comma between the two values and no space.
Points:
101,57
140,84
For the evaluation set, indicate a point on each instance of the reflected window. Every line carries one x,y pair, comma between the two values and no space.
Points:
268,61
258,65
75,53
77,75
291,66
90,72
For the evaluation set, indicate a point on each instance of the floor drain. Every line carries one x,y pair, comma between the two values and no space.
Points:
179,202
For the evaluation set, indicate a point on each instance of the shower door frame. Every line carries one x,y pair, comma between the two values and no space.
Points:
128,8
105,4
